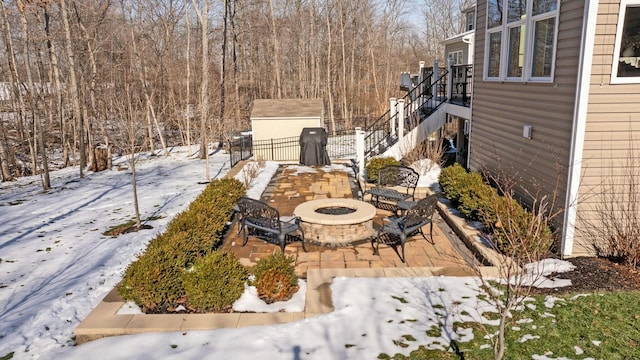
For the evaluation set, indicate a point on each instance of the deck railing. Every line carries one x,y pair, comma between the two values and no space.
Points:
461,84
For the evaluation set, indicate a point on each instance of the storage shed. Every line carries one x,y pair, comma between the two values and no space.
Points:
282,120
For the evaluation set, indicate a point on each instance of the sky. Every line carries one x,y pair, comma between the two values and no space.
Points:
56,266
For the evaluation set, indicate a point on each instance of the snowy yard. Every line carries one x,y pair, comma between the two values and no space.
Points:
56,266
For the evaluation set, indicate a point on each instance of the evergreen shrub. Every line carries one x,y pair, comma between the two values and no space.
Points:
275,278
374,165
452,180
215,282
154,280
515,230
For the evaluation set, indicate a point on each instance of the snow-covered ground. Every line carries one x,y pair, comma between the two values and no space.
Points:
55,266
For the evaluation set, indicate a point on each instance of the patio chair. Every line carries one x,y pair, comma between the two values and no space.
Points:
397,229
262,221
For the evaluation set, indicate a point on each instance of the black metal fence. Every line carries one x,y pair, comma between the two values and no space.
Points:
340,145
240,148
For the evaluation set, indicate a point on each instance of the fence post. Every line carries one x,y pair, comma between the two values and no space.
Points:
400,119
360,150
392,115
273,155
450,80
417,101
434,89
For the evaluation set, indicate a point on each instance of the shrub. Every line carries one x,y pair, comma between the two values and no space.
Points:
275,278
475,196
516,231
275,286
215,282
374,165
154,281
452,180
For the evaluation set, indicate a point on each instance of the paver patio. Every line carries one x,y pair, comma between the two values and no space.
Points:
293,185
290,187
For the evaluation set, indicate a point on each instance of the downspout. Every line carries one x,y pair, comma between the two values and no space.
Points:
579,126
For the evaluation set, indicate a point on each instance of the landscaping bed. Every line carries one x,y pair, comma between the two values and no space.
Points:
594,275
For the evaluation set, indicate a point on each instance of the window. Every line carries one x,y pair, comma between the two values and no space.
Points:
626,62
455,58
470,22
521,41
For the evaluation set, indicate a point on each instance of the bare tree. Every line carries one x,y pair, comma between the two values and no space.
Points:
73,86
204,82
520,239
441,20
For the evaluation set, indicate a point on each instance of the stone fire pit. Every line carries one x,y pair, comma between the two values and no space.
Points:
336,222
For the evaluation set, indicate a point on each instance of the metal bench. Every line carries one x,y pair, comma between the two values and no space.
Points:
262,221
389,178
396,230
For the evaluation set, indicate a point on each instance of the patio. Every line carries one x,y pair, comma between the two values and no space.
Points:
293,184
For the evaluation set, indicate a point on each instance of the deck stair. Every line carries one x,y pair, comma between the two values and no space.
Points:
410,120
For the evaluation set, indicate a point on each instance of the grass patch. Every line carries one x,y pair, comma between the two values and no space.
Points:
434,332
401,299
601,326
128,226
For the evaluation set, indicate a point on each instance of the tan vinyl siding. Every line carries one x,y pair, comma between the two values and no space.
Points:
501,109
612,129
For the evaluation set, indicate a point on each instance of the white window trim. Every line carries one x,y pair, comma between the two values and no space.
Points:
457,57
529,23
470,21
616,50
487,49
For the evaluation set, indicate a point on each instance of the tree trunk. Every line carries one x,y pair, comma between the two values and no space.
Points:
235,61
92,84
188,96
32,96
55,74
223,70
4,161
276,53
73,87
13,71
204,85
329,79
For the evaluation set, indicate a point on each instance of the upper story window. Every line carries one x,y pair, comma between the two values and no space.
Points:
521,40
626,62
470,21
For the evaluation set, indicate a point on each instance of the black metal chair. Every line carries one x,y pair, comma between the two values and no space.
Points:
396,231
263,221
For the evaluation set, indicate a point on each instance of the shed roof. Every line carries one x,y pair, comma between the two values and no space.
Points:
287,108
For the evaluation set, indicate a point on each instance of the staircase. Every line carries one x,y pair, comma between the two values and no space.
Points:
410,120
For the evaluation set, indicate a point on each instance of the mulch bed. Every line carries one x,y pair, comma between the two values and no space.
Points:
595,275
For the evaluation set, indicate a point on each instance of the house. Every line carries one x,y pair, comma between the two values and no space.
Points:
555,102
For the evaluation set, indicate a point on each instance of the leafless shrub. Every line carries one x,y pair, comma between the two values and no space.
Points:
432,149
611,218
250,171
